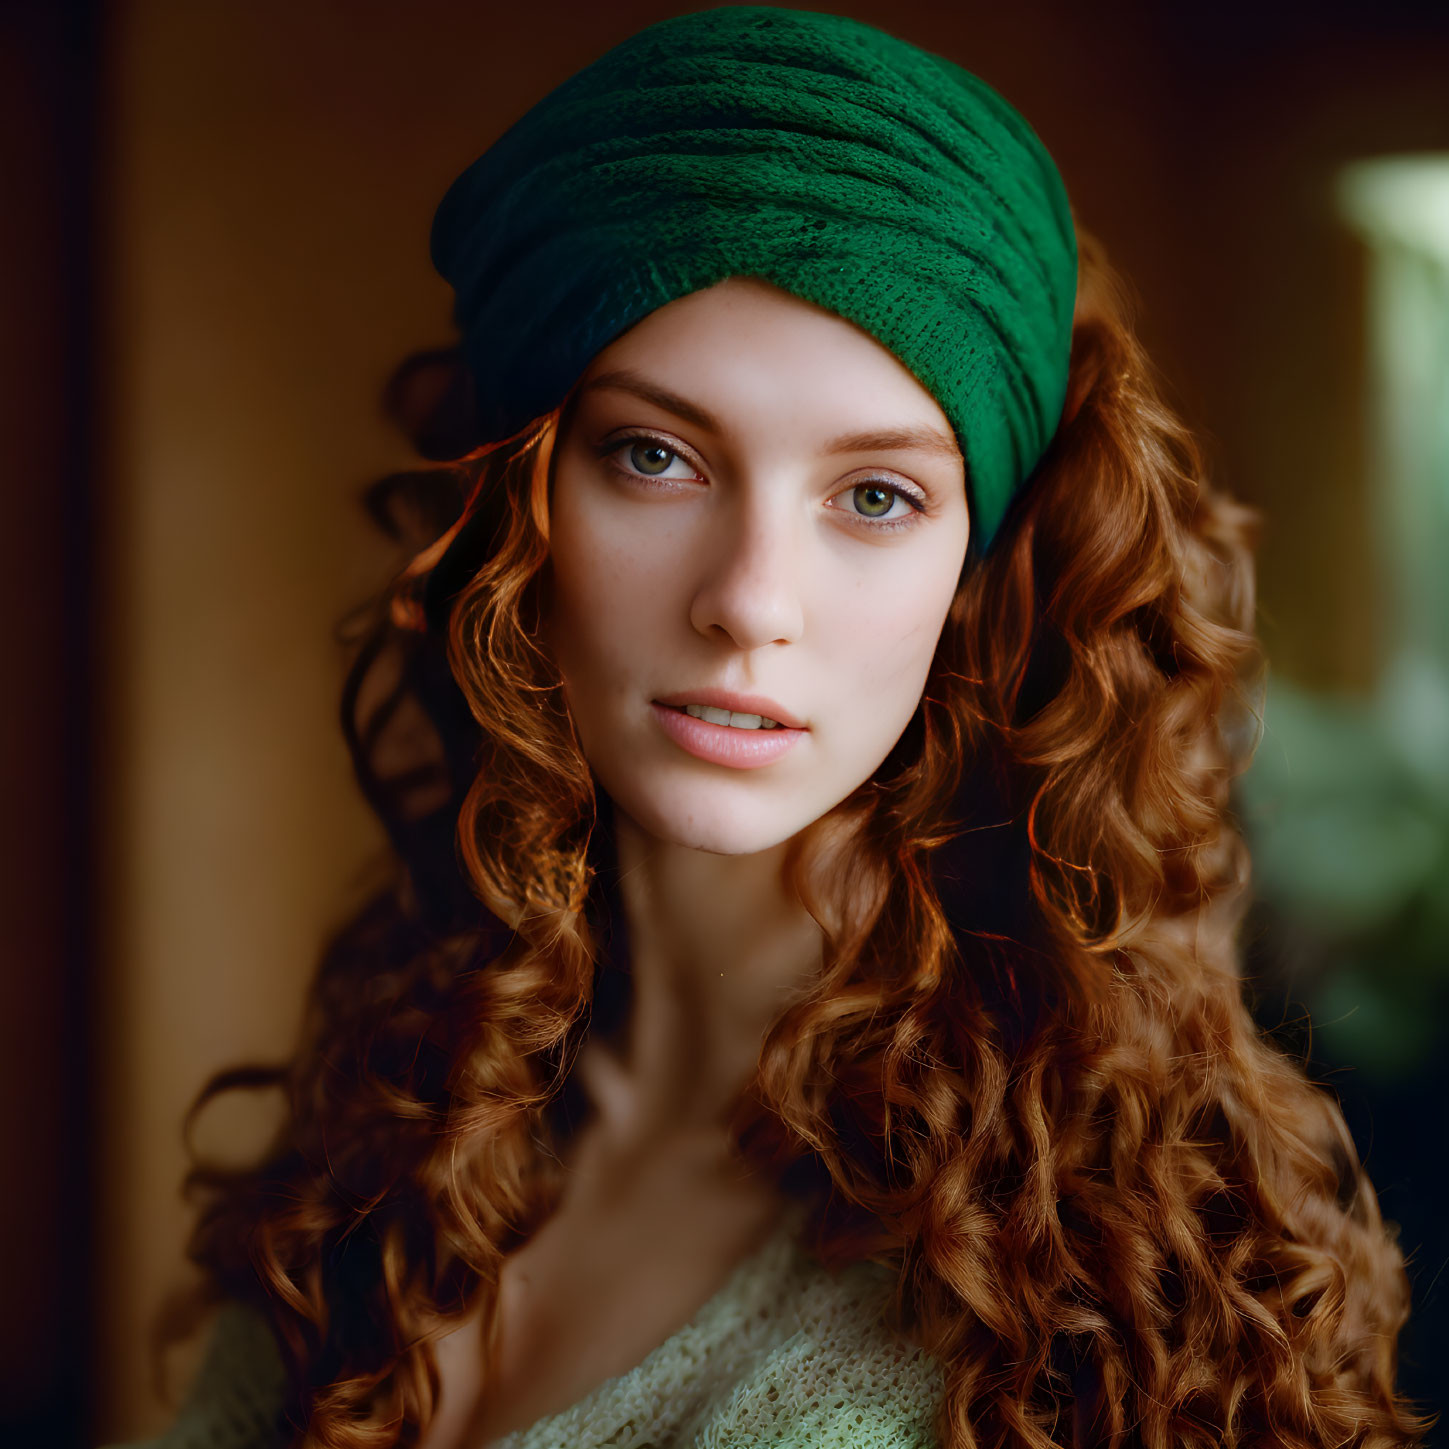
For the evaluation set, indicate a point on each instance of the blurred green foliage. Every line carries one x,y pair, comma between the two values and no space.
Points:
1346,807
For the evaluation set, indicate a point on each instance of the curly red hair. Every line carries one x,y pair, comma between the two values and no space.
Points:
1025,1077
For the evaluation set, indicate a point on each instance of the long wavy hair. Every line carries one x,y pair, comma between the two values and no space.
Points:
1025,1077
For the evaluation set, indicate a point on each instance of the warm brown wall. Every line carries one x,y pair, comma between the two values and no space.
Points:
274,169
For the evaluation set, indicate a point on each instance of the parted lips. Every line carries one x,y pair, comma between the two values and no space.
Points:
849,168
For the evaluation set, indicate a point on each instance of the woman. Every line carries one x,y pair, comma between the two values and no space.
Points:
832,685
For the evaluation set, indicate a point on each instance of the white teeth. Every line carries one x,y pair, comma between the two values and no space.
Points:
726,717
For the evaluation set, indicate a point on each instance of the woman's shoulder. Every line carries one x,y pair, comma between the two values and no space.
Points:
236,1397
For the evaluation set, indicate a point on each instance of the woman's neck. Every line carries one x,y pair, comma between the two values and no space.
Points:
717,947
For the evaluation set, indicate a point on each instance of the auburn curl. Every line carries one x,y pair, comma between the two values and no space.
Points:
1025,1077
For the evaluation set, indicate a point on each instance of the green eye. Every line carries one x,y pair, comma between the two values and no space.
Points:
650,458
886,497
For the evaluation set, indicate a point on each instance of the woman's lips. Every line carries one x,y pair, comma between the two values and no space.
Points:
736,703
722,744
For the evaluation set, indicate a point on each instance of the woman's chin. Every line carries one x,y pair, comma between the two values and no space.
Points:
712,829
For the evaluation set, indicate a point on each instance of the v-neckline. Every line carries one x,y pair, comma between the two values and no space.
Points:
757,1274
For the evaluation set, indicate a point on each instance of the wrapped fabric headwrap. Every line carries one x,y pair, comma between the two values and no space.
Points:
846,167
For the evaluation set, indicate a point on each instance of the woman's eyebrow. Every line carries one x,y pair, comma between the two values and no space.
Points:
887,440
624,380
891,440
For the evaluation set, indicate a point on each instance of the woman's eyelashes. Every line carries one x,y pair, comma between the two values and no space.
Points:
643,456
651,458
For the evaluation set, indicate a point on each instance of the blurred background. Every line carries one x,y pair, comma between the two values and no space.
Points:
213,251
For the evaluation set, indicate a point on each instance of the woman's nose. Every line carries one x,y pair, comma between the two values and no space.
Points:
753,572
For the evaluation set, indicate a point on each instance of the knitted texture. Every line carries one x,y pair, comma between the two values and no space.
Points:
845,166
785,1355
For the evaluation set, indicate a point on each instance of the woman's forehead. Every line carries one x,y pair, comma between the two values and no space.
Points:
744,351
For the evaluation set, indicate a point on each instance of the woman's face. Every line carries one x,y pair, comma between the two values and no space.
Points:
751,497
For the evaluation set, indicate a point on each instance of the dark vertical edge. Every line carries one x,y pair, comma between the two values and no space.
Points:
79,135
48,127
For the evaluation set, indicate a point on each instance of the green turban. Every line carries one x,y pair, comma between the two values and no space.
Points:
846,167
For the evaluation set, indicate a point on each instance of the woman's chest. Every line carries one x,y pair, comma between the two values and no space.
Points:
598,1288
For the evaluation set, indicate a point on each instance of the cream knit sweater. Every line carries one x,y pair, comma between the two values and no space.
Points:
785,1355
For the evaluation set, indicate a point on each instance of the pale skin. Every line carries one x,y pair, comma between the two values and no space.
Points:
716,520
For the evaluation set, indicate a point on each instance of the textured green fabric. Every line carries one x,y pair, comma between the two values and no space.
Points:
843,165
785,1356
